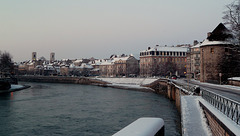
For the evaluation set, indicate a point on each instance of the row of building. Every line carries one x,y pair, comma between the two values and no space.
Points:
155,61
205,61
216,58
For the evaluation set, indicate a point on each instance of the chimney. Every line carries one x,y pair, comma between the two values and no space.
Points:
209,34
195,42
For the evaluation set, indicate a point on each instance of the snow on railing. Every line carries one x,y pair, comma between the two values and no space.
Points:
227,106
182,89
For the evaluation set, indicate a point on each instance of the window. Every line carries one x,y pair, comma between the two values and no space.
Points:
152,53
212,50
226,50
157,53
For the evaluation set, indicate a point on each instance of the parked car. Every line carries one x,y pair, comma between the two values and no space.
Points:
174,77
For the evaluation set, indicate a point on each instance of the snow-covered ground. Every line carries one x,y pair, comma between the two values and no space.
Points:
129,81
216,85
15,87
193,120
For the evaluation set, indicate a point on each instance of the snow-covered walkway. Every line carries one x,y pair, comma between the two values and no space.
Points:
193,120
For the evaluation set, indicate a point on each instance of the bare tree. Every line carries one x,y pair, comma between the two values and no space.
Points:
6,64
231,18
230,63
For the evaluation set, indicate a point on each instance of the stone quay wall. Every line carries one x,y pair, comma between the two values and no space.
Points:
59,79
217,127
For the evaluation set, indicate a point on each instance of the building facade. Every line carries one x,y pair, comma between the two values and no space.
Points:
213,51
119,67
163,61
195,61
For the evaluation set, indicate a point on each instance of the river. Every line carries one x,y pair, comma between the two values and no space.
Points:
80,110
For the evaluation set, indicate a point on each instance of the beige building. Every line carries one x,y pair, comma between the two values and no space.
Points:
126,66
119,66
163,61
107,69
195,61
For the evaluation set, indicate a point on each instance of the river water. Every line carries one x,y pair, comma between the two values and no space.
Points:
80,110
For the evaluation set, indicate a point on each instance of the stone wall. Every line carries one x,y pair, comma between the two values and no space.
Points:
173,93
59,79
217,127
178,99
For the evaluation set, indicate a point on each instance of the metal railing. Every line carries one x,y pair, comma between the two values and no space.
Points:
227,106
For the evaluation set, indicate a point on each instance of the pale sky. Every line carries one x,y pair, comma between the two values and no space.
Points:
98,28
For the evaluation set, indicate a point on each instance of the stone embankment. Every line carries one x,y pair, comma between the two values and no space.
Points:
139,84
60,79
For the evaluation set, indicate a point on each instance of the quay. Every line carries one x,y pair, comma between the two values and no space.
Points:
204,113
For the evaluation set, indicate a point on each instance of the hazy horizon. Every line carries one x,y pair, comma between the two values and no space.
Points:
82,29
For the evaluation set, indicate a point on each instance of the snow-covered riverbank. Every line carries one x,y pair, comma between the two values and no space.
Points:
15,88
129,83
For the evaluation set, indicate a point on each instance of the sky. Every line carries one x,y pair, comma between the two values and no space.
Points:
75,29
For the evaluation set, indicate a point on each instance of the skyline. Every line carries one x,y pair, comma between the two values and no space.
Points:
84,29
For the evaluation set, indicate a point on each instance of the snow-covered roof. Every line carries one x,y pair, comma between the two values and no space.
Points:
78,61
96,69
234,78
120,58
48,67
84,65
206,42
167,48
197,46
107,62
